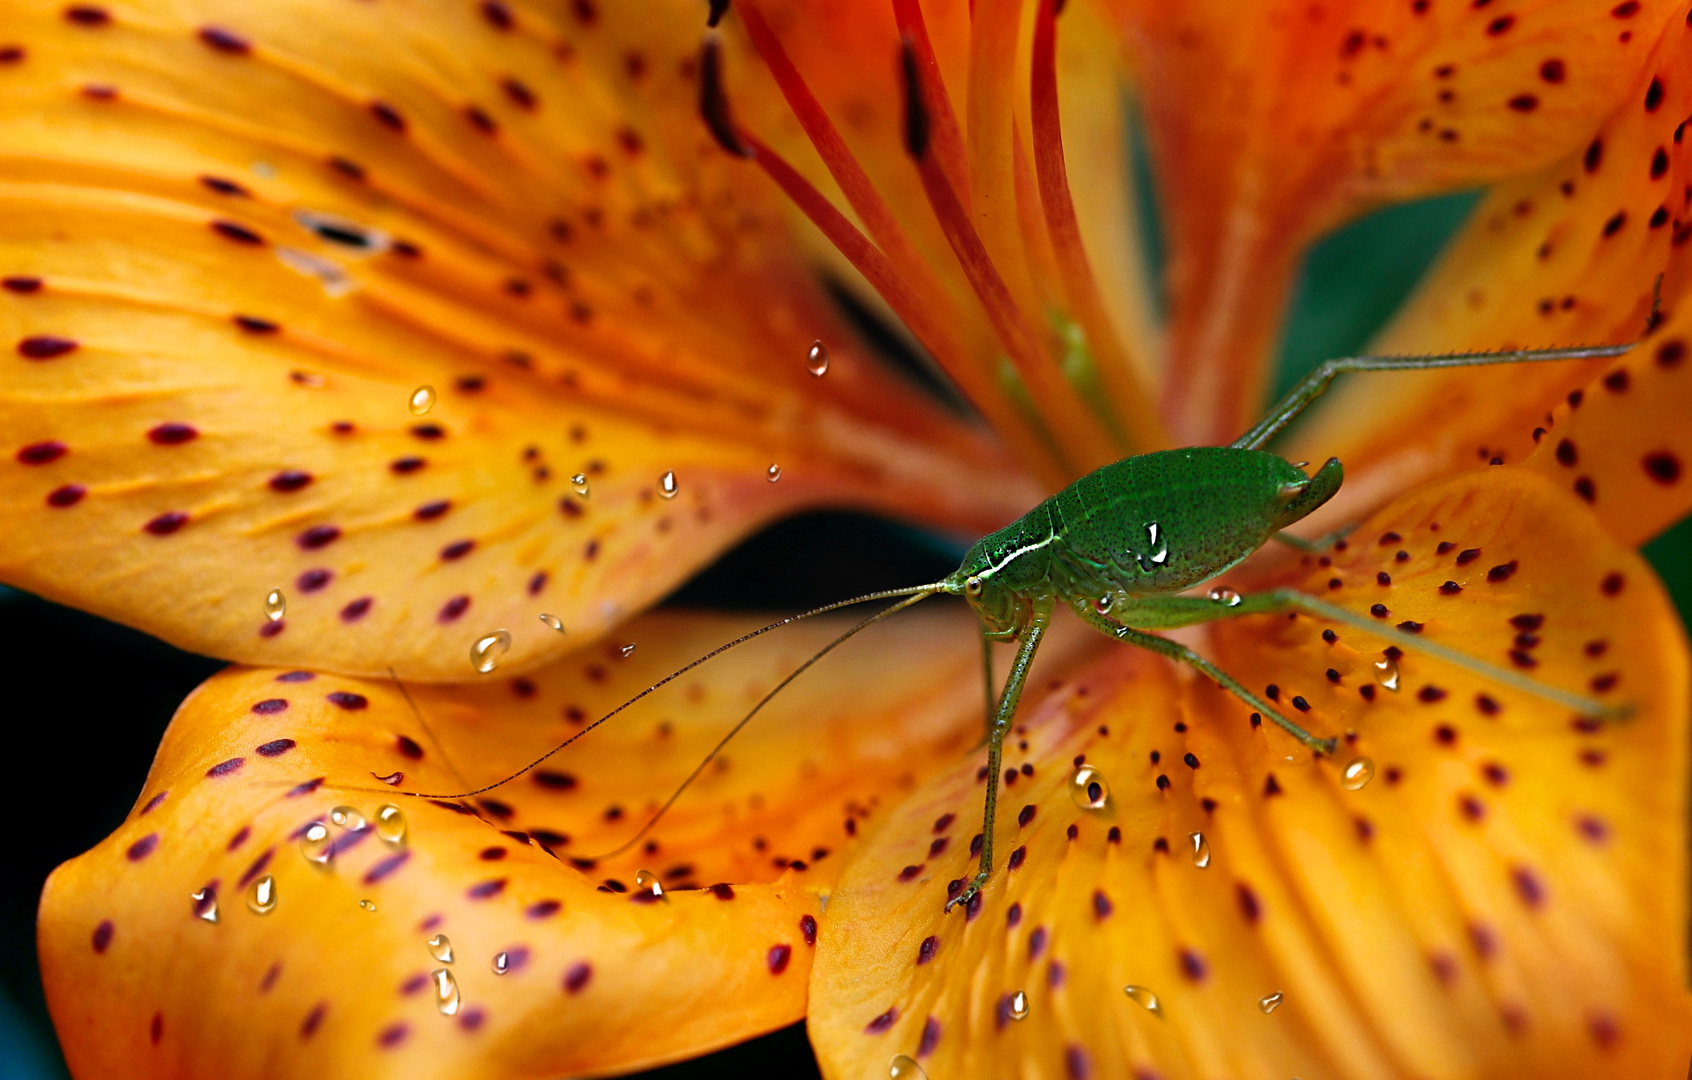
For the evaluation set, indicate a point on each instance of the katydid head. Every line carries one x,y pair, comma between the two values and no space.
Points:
999,607
1299,496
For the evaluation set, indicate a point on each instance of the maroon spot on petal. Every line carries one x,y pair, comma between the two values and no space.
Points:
305,787
102,937
314,579
387,116
1430,694
392,1035
883,1022
1272,786
518,92
1594,155
457,550
429,511
1076,1064
142,848
42,453
778,956
1017,857
473,1019
242,835
157,1030
1467,556
270,629
347,167
1614,224
497,14
18,283
387,866
408,747
224,768
1627,9
1528,886
555,781
577,976
1662,466
318,536
403,466
1671,353
276,747
808,929
1471,807
1193,965
429,432
1603,684
722,891
543,909
1502,572
348,700
289,480
296,676
1524,102
224,186
1025,815
87,15
66,495
1592,828
225,41
930,1037
45,347
483,890
1612,584
152,804
537,582
256,867
1553,71
357,609
1102,906
12,54
230,230
452,609
270,706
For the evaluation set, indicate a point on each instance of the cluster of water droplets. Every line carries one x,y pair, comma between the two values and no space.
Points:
447,998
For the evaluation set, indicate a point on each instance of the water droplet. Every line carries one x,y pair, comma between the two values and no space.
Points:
1088,788
773,472
1018,1005
205,903
422,400
625,651
264,170
553,621
440,947
446,991
316,844
904,1067
349,819
486,650
391,779
261,897
1158,552
817,361
1103,604
390,823
501,963
579,484
1386,673
368,905
1201,850
1225,596
647,881
275,605
1357,772
1144,998
667,485
1269,1002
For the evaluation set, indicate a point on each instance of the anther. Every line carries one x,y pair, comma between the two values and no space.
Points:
719,8
916,112
713,103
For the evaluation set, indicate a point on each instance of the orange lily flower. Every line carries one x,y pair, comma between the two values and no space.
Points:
433,321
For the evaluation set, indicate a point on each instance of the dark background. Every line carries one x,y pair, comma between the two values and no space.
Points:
103,694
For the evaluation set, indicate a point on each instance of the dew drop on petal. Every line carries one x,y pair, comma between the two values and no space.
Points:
349,819
817,359
275,605
1225,596
501,963
261,895
553,621
1019,1005
667,485
1357,772
390,823
773,472
391,779
625,651
1201,850
422,400
440,947
1386,673
316,844
1144,998
485,651
647,881
579,484
368,905
1087,787
904,1067
446,991
205,903
1269,1002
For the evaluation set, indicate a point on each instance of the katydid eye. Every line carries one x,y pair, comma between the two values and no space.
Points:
973,586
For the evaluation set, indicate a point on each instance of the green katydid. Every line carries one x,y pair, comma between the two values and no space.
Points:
1122,547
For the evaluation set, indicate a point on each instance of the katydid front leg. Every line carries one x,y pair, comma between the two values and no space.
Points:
1032,631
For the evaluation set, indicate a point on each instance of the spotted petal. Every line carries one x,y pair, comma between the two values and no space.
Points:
602,976
1505,897
1269,125
242,237
1568,255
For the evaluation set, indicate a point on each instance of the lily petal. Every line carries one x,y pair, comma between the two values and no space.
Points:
1621,443
1571,254
1504,898
601,975
242,239
1269,126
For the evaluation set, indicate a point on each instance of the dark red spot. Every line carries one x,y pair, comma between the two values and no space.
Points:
1594,155
314,579
1017,857
239,233
1271,786
1524,102
1487,705
1671,353
1552,71
276,748
1379,611
173,434
224,186
1659,167
577,976
1102,906
166,523
1602,684
1076,1064
387,116
428,432
1500,24
392,1035
543,909
1025,815
480,120
1612,584
1450,588
406,465
289,480
21,284
452,609
1615,223
157,1030
66,495
224,768
87,15
225,41
1528,886
1627,9
45,347
1592,829
408,747
348,700
1617,381
152,804
483,890
1430,694
778,956
1502,572
1193,965
270,706
318,536
497,14
356,609
12,54
1471,807
1585,488
42,453
808,929
347,167
457,550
